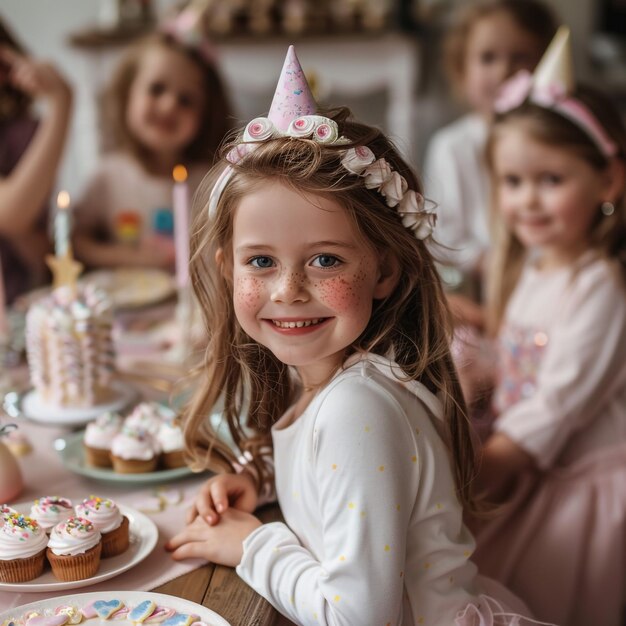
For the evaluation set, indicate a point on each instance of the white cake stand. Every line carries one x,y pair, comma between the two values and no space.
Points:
33,408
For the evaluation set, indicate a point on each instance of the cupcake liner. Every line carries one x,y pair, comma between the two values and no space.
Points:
69,567
117,541
172,460
22,570
133,466
97,457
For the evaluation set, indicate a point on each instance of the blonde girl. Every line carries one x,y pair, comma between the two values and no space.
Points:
329,331
166,105
487,42
558,308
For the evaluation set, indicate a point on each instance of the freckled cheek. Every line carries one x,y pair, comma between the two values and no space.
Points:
341,294
247,295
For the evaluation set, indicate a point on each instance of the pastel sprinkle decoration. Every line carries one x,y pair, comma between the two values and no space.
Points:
142,611
180,619
105,608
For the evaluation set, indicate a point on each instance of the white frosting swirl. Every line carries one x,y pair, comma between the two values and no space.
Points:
101,431
134,443
145,416
48,511
101,512
75,536
170,437
20,537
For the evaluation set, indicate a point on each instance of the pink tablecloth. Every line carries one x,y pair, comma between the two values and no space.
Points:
44,474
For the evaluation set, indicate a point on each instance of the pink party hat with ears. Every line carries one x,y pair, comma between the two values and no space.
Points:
293,97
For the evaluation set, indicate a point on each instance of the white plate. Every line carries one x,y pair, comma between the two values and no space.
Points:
143,538
129,598
72,454
130,288
34,409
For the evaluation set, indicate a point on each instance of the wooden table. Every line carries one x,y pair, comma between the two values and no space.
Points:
221,590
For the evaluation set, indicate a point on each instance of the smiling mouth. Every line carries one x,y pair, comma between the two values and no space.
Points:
300,323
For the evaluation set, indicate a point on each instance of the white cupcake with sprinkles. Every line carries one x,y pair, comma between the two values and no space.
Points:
106,517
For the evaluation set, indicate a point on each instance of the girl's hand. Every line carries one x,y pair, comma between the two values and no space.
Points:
220,493
34,78
221,544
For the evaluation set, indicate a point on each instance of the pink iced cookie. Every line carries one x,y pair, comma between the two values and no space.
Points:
47,620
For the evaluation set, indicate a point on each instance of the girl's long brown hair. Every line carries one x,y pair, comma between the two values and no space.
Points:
608,232
412,325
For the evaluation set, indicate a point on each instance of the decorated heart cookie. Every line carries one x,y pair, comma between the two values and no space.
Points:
105,608
180,619
142,611
74,616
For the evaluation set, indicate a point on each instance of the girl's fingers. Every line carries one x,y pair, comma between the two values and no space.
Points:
205,508
196,549
219,493
192,513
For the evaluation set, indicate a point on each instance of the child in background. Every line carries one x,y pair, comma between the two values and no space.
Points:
168,106
327,320
558,304
30,153
488,43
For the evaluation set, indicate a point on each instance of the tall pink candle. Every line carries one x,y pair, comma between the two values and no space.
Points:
181,225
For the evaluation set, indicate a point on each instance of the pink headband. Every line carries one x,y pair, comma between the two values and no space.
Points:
185,28
554,97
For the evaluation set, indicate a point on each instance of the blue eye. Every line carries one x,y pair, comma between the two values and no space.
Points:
325,261
262,262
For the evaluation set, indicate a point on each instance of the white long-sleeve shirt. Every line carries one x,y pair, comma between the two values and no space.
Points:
455,177
374,532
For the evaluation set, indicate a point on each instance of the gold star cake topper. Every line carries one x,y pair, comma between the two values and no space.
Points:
65,269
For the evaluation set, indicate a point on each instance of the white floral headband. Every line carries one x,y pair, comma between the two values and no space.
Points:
359,160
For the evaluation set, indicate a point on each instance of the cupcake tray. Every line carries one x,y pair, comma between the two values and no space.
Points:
143,539
72,454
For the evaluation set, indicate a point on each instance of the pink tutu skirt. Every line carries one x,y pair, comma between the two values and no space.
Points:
560,544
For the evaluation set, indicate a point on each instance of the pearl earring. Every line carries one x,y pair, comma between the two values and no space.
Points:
607,208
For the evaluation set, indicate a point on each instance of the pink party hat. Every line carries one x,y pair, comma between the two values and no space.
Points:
293,97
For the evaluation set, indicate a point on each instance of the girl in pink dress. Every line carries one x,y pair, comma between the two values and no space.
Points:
557,456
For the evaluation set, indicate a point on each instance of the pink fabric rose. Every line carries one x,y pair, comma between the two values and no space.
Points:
393,189
355,160
376,174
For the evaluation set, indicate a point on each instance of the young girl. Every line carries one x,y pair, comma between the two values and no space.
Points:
489,41
30,153
328,323
559,307
168,106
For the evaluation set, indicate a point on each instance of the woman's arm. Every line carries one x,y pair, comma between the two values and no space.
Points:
25,190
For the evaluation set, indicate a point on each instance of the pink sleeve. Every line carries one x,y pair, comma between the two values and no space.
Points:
581,368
